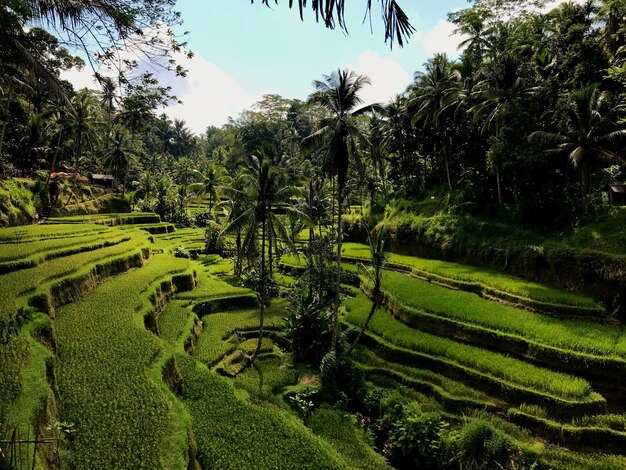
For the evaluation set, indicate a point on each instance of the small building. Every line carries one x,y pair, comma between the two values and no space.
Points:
102,181
617,194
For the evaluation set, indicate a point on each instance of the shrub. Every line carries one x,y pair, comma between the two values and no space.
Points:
309,329
342,382
252,280
481,445
212,242
203,219
180,252
418,441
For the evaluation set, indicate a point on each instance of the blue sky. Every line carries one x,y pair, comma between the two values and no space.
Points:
244,50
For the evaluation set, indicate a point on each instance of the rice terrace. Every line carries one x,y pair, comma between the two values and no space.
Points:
418,263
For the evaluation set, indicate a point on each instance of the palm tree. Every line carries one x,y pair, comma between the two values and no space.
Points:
265,183
397,24
375,275
119,156
588,134
432,87
375,150
214,177
236,200
183,172
83,124
338,93
495,96
182,138
107,99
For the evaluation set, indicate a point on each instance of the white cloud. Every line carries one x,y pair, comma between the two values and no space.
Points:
387,76
83,78
209,95
442,38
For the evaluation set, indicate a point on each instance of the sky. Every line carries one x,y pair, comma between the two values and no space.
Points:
243,51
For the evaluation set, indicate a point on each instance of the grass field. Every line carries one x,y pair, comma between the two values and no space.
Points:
105,354
234,434
487,277
213,344
497,365
575,335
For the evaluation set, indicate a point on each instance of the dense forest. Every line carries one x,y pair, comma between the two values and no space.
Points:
432,282
525,125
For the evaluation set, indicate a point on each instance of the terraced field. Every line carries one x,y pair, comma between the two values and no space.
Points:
145,355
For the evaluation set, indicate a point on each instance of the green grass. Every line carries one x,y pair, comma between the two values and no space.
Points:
338,429
574,335
210,287
109,219
14,355
487,277
234,434
267,378
24,282
27,233
490,363
213,344
173,319
38,250
105,354
457,389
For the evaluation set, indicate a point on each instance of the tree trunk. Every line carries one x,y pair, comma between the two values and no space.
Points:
238,253
445,160
262,287
498,184
333,343
375,305
6,113
585,185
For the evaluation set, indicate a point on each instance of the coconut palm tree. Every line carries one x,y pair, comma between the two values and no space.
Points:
183,173
589,134
265,182
429,93
83,122
397,25
495,96
338,93
375,275
107,100
212,181
120,156
236,200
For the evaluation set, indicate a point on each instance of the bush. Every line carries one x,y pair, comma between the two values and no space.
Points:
418,441
252,280
213,245
342,382
203,219
309,328
180,252
481,445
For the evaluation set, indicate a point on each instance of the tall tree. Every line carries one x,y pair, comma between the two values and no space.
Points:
589,133
265,182
338,93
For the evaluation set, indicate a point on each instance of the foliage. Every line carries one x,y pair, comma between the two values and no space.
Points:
308,328
342,382
222,422
212,235
497,365
418,441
